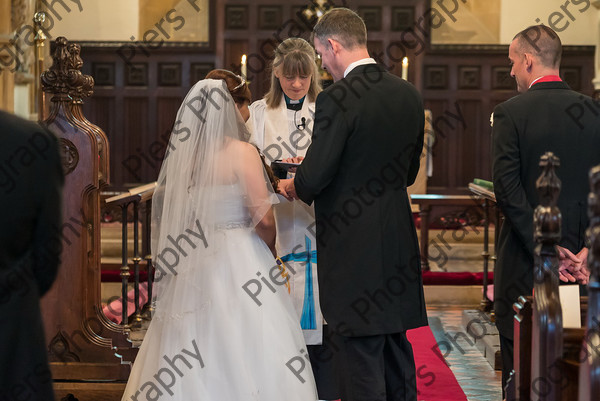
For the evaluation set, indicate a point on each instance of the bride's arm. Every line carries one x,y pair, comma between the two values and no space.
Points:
266,231
251,174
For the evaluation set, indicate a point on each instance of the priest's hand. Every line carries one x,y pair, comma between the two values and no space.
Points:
287,189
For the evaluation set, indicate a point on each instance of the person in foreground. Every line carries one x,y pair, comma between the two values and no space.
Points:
546,116
365,151
31,186
281,125
213,237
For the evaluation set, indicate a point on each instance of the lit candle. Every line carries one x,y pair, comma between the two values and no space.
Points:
244,71
405,68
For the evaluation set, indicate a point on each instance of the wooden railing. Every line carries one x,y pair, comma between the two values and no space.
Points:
135,197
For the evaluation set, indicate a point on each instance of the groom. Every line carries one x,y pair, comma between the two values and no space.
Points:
365,151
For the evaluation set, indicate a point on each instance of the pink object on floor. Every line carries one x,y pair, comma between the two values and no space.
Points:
114,309
490,292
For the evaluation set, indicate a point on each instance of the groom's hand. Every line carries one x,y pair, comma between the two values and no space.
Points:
287,189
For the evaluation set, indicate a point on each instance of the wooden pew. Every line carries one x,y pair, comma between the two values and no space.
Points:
589,373
546,316
519,385
88,354
552,362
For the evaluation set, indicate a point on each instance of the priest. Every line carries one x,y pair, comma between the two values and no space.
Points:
281,124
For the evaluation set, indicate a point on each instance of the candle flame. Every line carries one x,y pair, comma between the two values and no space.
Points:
243,59
405,61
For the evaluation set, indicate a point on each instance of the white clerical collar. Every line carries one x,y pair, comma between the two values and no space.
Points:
357,63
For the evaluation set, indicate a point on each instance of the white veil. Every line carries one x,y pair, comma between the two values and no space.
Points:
202,156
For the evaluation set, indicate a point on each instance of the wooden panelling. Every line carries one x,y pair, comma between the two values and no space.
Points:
269,17
234,49
392,45
375,47
169,74
262,77
371,16
456,82
442,148
101,110
136,135
402,18
236,17
166,111
140,106
466,83
471,157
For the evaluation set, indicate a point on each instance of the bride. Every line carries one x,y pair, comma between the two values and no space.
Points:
224,327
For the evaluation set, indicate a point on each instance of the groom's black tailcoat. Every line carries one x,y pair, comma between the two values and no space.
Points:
366,145
31,182
548,117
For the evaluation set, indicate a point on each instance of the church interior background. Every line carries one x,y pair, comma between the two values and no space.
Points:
144,55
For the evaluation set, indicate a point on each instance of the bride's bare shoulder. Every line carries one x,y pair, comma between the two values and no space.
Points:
243,149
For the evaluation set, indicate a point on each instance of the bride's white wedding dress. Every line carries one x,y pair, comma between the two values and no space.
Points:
209,339
244,347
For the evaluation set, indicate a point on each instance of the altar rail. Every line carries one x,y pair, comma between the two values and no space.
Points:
427,202
135,197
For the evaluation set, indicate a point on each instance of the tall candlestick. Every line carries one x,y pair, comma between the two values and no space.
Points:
39,19
405,68
244,70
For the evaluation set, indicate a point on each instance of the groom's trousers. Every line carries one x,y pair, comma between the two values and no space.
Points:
375,368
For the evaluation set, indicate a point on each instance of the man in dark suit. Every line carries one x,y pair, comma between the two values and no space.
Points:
546,116
365,151
31,182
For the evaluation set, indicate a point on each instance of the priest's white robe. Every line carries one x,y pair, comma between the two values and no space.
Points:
277,134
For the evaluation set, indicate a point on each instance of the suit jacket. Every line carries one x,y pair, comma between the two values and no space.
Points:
365,150
31,183
545,118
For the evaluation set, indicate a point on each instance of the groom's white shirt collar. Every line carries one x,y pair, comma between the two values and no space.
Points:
357,63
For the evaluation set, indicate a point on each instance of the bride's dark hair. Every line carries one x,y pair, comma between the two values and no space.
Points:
238,88
237,85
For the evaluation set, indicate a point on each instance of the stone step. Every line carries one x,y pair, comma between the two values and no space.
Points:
111,248
484,333
452,294
111,240
465,235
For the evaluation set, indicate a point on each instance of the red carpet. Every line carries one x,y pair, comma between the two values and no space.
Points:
455,278
435,380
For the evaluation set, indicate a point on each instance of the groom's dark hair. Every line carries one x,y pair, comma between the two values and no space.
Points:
342,25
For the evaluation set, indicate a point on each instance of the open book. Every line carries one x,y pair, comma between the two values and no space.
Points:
483,188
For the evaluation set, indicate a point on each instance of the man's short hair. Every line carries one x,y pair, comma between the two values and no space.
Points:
542,42
342,25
